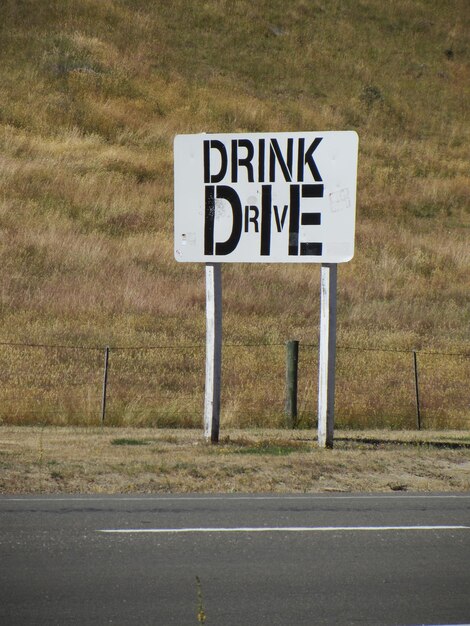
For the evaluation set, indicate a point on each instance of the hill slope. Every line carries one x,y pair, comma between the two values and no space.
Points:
92,94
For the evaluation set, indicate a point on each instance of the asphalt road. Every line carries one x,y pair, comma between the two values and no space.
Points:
270,560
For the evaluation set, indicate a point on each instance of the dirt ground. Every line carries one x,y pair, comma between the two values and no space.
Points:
130,460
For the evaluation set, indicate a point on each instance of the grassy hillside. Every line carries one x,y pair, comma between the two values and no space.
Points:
93,92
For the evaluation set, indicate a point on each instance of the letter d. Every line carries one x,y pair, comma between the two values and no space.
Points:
219,146
222,192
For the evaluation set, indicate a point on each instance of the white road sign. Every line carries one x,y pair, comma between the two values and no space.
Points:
265,197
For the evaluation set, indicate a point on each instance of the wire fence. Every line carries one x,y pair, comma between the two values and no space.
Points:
163,386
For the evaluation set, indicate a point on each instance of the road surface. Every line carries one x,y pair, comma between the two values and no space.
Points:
268,560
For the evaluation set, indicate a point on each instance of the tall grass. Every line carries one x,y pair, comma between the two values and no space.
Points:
91,96
163,386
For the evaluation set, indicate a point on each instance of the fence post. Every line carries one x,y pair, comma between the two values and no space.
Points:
418,408
292,361
105,384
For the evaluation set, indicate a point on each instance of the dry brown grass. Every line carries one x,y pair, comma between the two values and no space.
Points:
91,96
163,386
71,460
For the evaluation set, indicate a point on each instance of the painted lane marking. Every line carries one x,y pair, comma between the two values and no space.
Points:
274,529
195,498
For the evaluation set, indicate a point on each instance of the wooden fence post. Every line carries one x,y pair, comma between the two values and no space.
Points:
292,361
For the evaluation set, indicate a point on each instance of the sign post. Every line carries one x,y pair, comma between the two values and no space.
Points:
213,351
266,198
327,355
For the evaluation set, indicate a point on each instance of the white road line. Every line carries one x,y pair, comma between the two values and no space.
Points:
274,529
196,498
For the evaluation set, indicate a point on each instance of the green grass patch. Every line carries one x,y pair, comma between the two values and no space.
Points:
130,442
269,448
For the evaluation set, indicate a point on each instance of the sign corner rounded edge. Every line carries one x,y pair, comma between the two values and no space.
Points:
355,135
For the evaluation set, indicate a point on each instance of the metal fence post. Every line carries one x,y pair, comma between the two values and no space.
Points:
418,408
292,360
105,384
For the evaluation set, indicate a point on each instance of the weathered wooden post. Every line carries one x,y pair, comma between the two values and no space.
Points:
292,361
327,360
213,351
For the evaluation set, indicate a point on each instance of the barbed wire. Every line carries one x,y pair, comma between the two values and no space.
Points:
226,345
48,345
